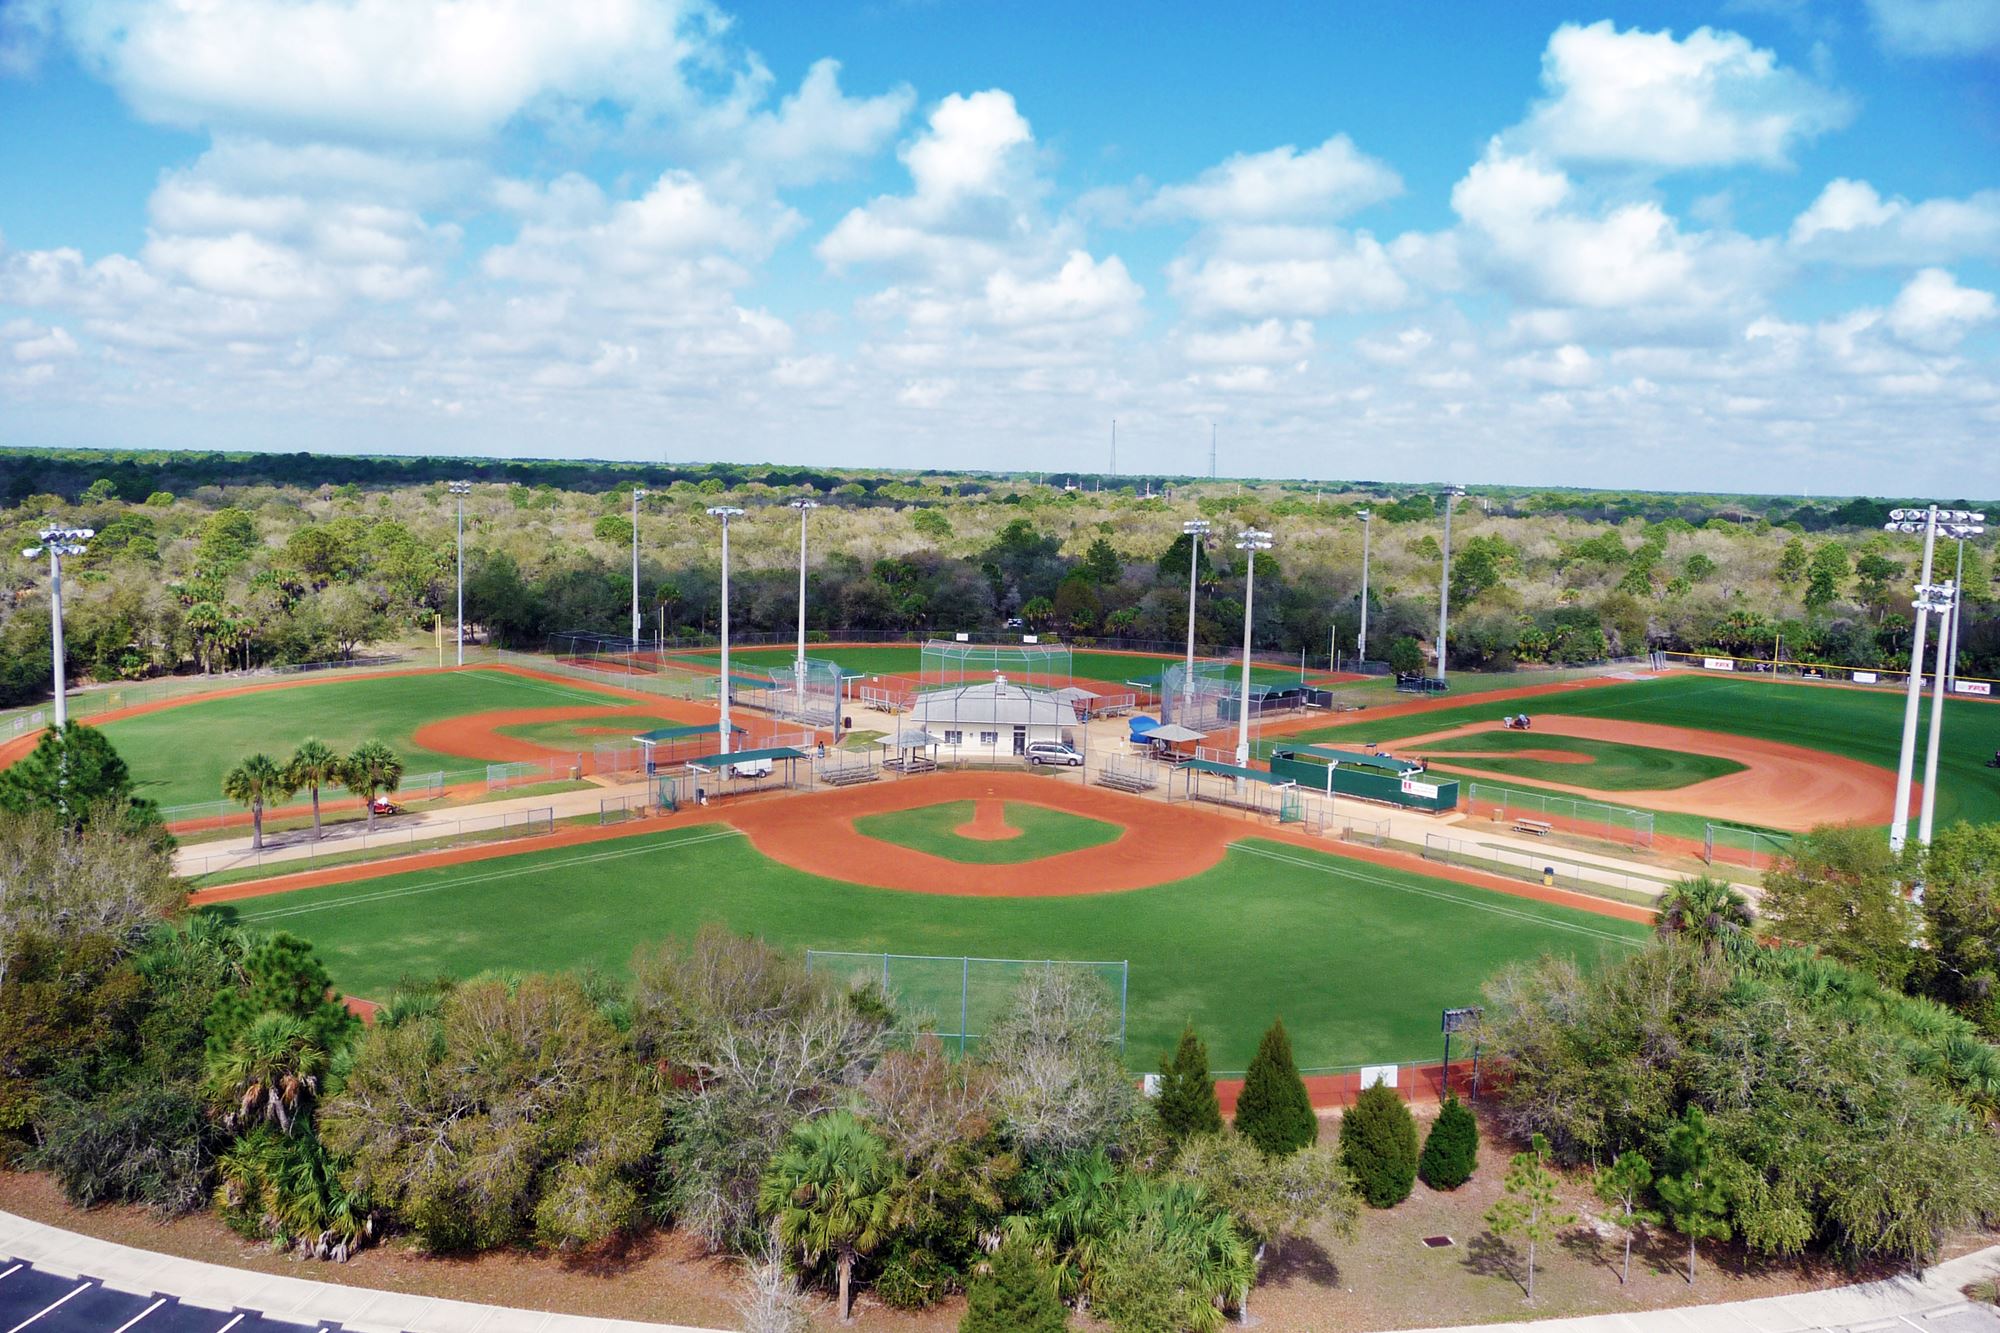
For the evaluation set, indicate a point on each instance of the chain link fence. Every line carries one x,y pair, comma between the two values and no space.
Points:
1549,869
1751,848
959,999
1565,814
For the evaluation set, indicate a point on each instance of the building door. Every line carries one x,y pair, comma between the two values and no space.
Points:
1020,740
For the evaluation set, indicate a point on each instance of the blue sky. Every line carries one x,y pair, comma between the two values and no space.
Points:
1745,246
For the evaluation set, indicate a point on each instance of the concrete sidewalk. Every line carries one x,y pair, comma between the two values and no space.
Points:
1933,1302
289,1299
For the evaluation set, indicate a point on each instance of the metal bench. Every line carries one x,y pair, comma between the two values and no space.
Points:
848,775
1538,827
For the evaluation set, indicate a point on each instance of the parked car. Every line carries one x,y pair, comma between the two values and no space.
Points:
1053,752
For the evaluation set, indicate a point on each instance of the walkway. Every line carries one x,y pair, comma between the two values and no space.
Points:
43,1289
55,1281
293,848
1933,1303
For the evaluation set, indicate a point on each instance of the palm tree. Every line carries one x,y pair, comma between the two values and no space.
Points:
371,770
830,1190
1709,913
270,1073
253,782
312,766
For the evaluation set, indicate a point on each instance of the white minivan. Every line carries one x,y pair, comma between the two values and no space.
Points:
1052,752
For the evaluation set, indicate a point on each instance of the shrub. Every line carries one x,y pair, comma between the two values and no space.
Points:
1451,1151
1015,1294
1378,1143
1274,1111
913,1277
1187,1104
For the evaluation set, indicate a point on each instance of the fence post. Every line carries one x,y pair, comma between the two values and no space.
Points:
964,992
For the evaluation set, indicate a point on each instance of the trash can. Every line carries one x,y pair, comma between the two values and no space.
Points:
1549,876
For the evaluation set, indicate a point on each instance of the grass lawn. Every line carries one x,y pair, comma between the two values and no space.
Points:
1095,667
178,755
1044,832
1359,960
1614,766
1857,724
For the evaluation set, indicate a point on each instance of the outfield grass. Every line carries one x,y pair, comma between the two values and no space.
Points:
1358,959
906,659
1044,832
178,755
1853,723
1614,766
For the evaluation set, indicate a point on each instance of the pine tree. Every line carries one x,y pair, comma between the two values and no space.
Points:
1530,1207
1691,1191
1186,1104
1378,1145
1452,1149
1623,1185
1016,1294
1274,1111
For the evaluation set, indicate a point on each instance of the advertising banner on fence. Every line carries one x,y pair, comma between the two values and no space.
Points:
1972,686
1719,663
1426,790
1865,678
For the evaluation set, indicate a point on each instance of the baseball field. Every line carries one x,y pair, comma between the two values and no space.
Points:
1757,752
1358,957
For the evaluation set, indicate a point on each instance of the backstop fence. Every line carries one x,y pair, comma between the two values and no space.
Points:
944,663
632,664
1564,814
958,1000
808,691
1751,848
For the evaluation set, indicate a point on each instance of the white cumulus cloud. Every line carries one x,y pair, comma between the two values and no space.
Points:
1282,184
1849,222
1933,311
1709,99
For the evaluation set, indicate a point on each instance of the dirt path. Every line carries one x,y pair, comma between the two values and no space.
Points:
988,822
1780,786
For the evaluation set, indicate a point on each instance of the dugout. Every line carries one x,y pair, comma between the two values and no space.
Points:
737,772
669,747
1365,777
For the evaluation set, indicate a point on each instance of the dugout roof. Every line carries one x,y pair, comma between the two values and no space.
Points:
718,759
664,734
1232,771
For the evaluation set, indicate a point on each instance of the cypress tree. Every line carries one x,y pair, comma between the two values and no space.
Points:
1016,1294
1451,1151
1274,1111
1186,1104
1378,1145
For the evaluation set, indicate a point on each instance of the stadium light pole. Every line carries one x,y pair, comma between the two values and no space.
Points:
805,505
725,513
638,494
461,489
1924,521
1196,530
1250,541
1452,493
1367,527
1943,598
57,543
